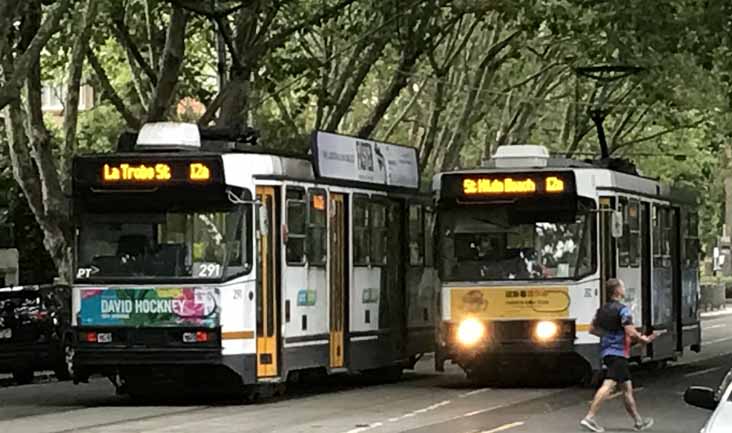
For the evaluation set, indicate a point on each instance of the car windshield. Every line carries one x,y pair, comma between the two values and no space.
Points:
495,243
200,245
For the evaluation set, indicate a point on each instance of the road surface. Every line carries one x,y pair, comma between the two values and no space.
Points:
425,402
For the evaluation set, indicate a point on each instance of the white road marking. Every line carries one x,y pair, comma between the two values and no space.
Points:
420,411
474,392
700,372
719,325
718,340
365,428
477,412
504,427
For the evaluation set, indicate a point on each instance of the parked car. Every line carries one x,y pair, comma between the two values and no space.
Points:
718,400
32,329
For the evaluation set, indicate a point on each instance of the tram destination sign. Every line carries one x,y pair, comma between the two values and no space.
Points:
360,160
487,186
150,170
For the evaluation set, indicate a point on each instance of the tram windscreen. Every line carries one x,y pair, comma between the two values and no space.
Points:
186,245
501,242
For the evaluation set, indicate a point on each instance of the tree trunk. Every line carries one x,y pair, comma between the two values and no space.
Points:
169,66
73,87
437,108
346,95
235,103
407,62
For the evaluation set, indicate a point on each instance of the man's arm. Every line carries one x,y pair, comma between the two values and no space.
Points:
595,330
633,333
626,319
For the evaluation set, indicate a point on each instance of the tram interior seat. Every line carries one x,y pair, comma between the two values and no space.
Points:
107,265
134,245
168,260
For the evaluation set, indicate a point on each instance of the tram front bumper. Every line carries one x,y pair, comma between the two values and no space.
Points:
98,348
464,342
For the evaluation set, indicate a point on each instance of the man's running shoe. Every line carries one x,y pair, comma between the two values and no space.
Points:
592,425
643,424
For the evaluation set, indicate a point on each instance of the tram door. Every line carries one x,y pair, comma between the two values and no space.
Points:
267,334
338,254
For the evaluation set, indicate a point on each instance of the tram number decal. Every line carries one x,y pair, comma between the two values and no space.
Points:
207,270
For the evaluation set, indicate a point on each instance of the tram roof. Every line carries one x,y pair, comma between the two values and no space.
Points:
602,178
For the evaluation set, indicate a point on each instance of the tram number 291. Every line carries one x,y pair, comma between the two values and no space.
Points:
207,270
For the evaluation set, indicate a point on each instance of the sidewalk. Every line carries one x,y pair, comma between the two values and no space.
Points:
721,312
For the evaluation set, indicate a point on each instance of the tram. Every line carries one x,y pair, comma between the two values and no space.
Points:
204,259
525,245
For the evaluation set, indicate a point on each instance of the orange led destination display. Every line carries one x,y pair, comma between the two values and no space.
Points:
154,172
498,185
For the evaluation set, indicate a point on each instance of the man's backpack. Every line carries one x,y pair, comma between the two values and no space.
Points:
607,319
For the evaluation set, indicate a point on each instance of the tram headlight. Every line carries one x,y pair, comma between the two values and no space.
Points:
470,331
546,330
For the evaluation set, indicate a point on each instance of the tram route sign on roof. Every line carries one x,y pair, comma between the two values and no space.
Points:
488,185
360,160
144,170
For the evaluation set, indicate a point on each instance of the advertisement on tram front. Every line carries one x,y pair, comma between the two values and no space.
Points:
189,306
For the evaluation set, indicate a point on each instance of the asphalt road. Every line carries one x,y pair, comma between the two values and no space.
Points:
424,402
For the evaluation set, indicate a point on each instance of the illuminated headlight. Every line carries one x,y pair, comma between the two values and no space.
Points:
546,330
470,331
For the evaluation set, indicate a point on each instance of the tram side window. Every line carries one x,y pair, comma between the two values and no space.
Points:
316,242
667,225
657,242
296,220
661,237
429,223
624,241
360,231
240,256
634,241
379,233
692,239
416,235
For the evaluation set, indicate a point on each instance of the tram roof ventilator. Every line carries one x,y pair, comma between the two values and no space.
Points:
181,137
537,156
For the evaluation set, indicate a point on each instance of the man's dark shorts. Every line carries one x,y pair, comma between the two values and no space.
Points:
617,368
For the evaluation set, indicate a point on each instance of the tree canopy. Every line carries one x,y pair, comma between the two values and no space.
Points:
455,79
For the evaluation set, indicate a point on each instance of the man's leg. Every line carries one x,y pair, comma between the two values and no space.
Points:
630,406
607,388
589,420
629,400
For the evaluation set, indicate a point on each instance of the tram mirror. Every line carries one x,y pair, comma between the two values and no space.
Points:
616,223
263,223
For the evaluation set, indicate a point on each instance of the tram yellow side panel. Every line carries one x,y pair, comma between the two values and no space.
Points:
510,302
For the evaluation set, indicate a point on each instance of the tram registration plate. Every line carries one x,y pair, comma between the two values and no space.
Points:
509,302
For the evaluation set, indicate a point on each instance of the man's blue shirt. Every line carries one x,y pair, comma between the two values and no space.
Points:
614,342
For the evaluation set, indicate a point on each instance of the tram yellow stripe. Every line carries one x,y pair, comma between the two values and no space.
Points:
582,327
237,335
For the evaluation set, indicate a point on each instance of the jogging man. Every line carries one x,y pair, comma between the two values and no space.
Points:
613,323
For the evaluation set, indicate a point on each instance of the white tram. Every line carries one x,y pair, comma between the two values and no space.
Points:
525,245
205,262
